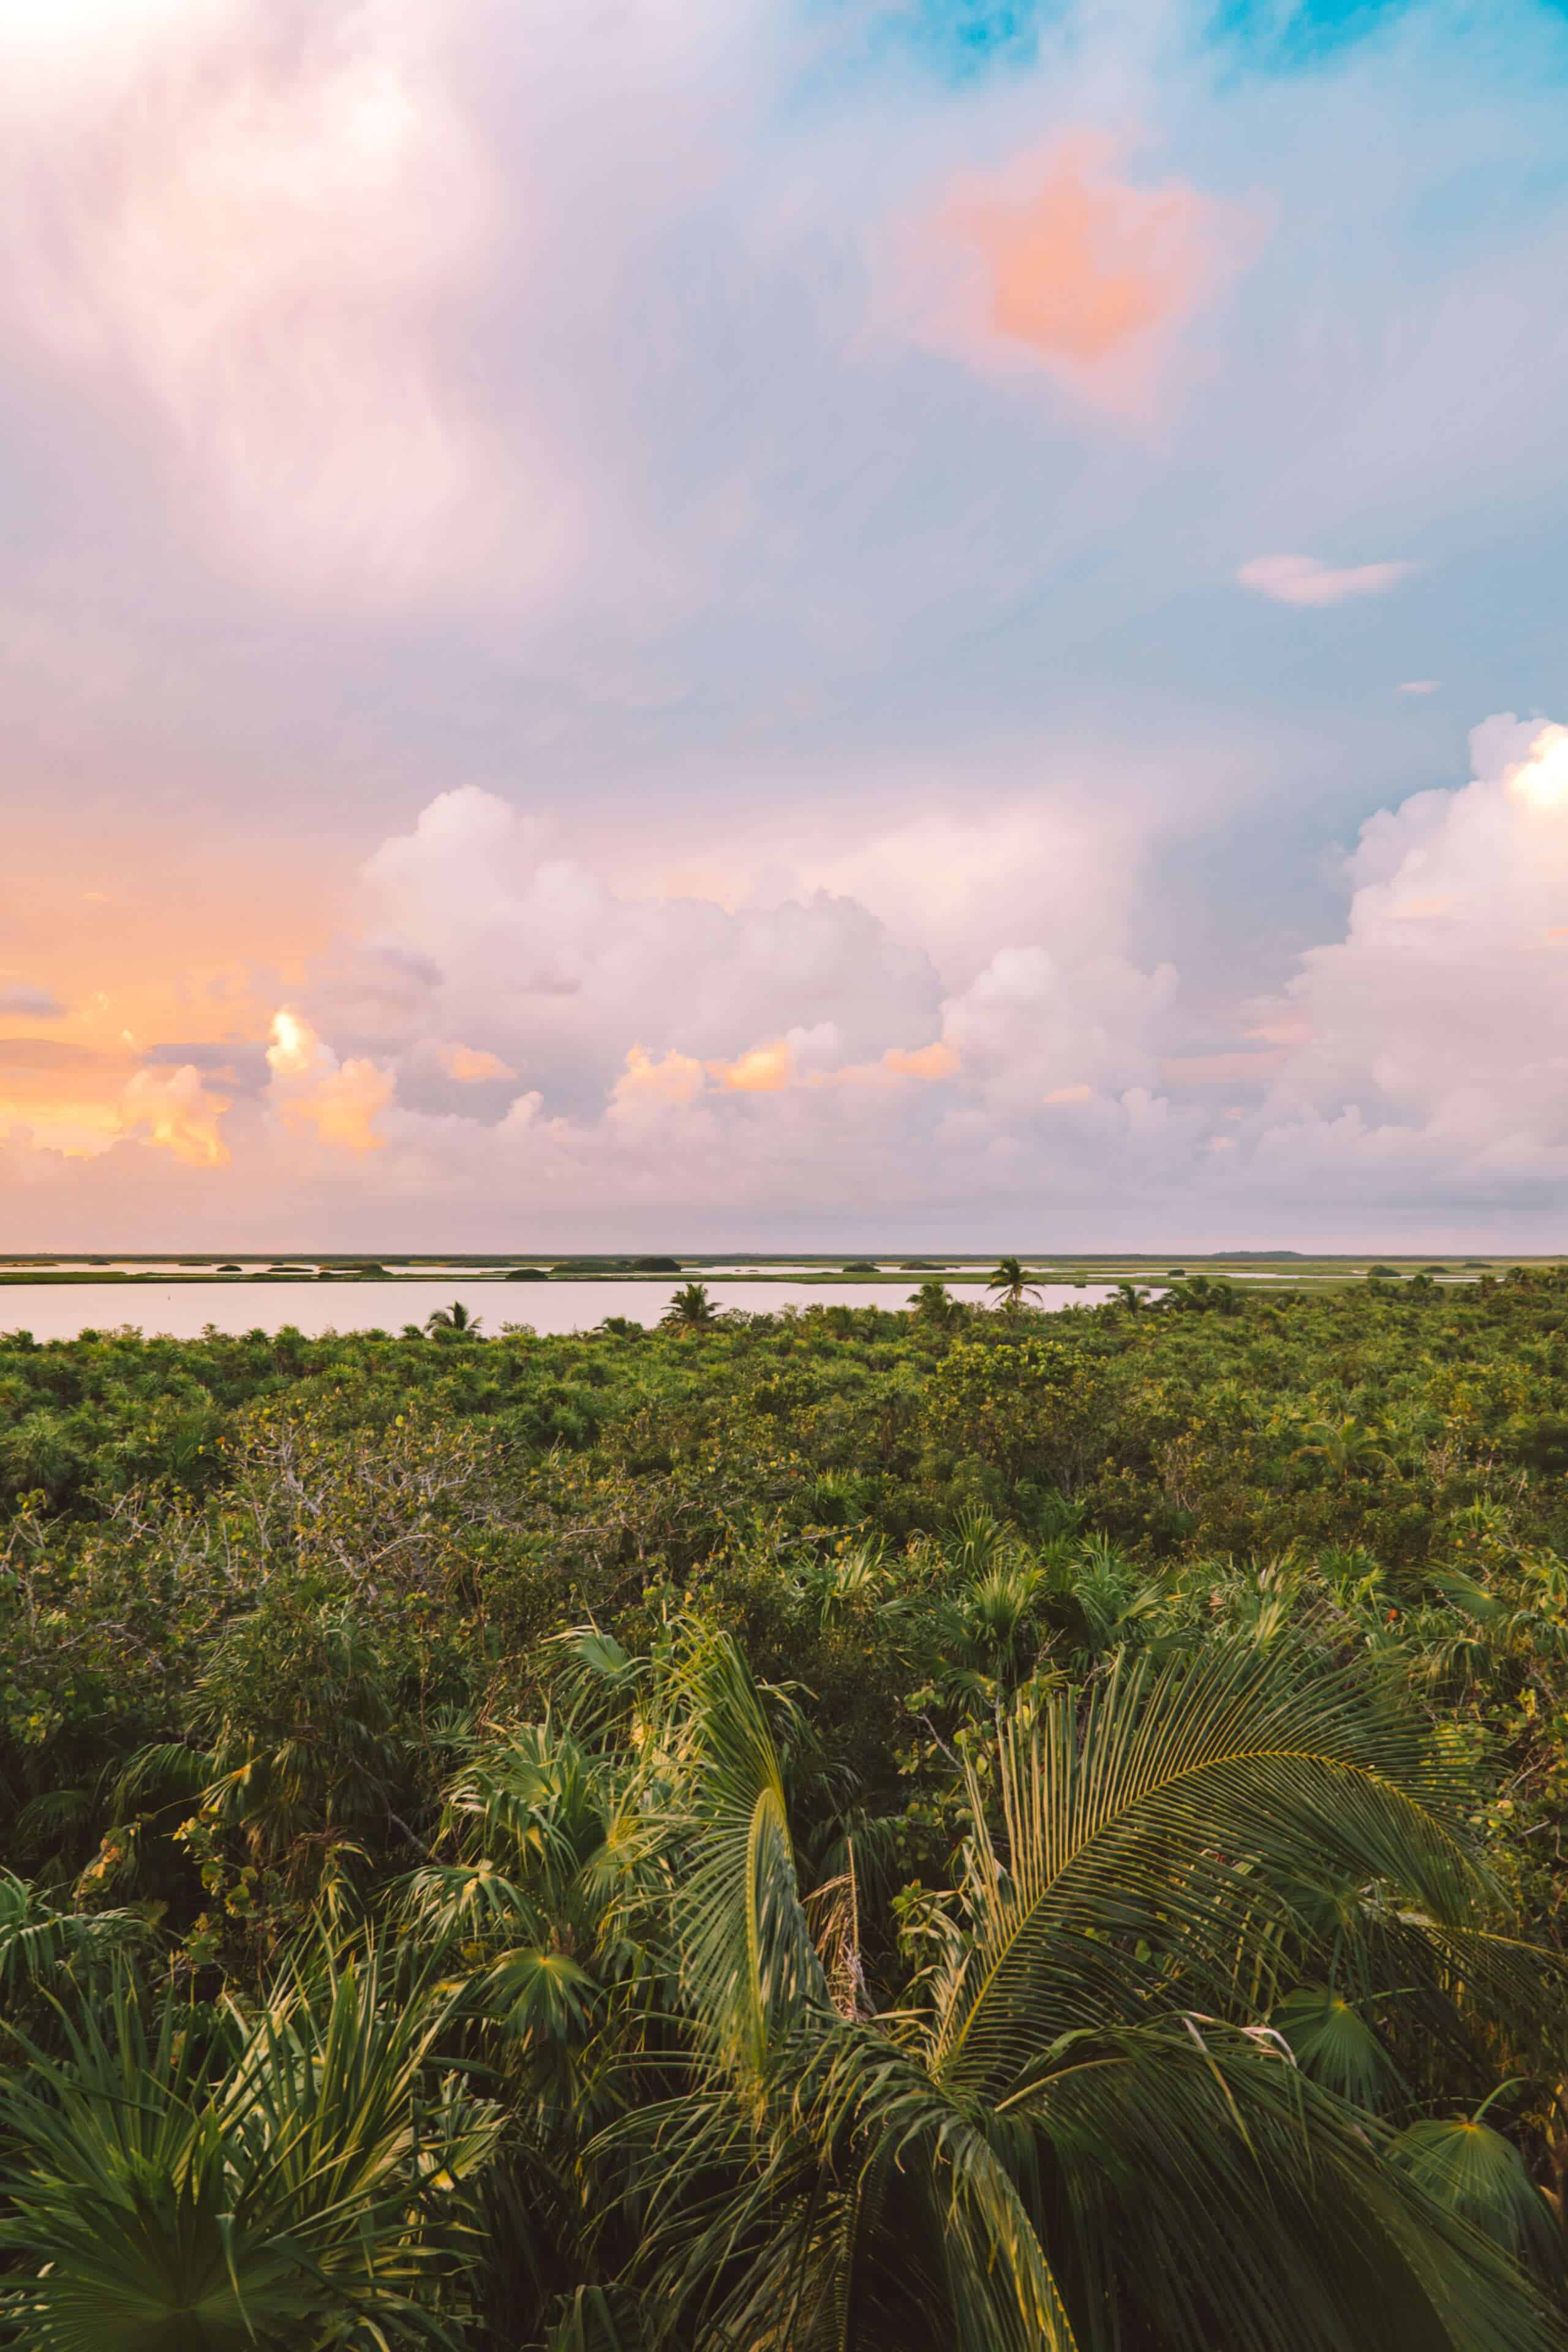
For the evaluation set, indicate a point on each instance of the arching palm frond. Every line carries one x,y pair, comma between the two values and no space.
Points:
1177,1811
748,1959
1078,2144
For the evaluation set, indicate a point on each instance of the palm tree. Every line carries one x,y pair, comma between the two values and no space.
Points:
455,1317
934,1303
1013,1285
1344,1447
690,1309
1070,2137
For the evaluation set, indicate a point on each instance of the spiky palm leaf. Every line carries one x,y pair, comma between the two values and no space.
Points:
1176,1813
37,1942
185,2184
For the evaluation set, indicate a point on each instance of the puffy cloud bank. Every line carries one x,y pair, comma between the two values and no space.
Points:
1433,1053
503,1047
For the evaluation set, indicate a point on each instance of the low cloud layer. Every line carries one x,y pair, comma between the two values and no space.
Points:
503,1047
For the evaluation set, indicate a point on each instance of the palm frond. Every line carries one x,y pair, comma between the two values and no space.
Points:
37,1942
296,2176
1201,2187
1336,2045
1172,1814
1479,2176
748,1961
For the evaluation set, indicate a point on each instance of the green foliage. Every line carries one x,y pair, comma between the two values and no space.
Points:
959,1828
294,2174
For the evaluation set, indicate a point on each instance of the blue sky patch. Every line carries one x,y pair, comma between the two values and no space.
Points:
961,39
1287,38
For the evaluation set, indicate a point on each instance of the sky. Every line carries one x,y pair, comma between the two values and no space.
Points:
782,623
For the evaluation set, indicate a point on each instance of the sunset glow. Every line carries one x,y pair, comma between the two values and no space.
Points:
684,621
1540,780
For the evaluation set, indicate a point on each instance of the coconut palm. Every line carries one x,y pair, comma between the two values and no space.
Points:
455,1317
1012,1285
1133,1298
1071,2137
690,1310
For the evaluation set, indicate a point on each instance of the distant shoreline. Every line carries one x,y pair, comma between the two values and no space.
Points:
1243,1268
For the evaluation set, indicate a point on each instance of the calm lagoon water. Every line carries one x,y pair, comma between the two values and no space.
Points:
182,1309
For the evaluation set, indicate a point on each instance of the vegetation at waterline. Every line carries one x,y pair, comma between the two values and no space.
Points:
963,1828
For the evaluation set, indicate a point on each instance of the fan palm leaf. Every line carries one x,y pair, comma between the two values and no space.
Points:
1478,2175
188,2184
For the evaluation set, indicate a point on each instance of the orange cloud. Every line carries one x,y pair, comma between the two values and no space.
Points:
174,1109
341,1102
645,1084
78,1131
79,1102
342,1107
936,1061
765,1070
471,1068
768,1069
62,1096
1076,268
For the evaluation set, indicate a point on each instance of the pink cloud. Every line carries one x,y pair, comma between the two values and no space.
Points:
1302,580
1076,268
250,240
1219,1069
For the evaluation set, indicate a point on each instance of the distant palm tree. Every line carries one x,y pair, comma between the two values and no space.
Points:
455,1317
1131,1297
690,1309
933,1304
1013,1285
